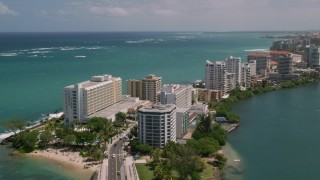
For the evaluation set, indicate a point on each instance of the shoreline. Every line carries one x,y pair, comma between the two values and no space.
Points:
70,162
234,165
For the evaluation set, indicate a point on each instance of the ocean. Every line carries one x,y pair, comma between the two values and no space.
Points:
35,67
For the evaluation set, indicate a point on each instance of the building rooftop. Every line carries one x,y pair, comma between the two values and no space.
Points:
156,108
279,52
259,55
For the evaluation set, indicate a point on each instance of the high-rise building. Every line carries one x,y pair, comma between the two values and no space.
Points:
231,83
262,61
146,88
84,99
180,95
285,65
246,75
157,124
233,65
182,116
134,88
216,76
311,56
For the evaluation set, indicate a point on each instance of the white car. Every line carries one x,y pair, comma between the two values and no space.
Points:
113,155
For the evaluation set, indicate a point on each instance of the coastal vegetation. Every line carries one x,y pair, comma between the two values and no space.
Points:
87,138
187,161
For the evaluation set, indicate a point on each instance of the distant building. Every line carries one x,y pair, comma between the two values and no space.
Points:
207,95
231,83
157,124
86,98
180,95
182,116
311,56
275,55
233,65
146,88
262,61
285,65
216,76
246,75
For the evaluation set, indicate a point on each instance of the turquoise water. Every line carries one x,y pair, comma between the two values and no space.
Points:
34,68
278,135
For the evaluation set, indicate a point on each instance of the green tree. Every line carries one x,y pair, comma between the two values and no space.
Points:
69,139
26,141
83,137
46,137
156,155
163,170
121,118
186,162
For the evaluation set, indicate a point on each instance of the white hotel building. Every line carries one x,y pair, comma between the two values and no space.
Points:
157,124
180,95
86,98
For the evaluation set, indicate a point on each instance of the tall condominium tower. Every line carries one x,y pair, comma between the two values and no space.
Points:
84,99
216,76
312,56
157,124
285,65
146,88
246,74
233,65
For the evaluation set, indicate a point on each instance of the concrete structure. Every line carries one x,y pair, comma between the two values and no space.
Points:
311,56
146,88
233,65
253,67
275,55
262,61
86,98
122,106
285,65
182,116
199,109
246,75
157,124
216,76
207,95
231,83
180,95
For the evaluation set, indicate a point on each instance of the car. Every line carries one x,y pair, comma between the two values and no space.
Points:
113,155
118,172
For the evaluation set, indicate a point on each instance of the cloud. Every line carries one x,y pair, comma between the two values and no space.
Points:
109,11
5,10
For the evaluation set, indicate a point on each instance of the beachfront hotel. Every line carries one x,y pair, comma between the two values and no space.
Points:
146,88
86,98
180,95
216,76
157,124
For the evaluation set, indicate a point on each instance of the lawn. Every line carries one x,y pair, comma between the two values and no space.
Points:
144,171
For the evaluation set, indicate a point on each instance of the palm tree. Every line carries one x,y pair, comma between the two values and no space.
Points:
163,170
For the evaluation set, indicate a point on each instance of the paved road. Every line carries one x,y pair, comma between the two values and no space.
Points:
115,163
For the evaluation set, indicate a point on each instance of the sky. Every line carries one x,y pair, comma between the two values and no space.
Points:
158,15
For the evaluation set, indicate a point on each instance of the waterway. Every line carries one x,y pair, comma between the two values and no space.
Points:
277,138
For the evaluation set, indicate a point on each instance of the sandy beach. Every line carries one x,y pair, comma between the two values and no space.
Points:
68,161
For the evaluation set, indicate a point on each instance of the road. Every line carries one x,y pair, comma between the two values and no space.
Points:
116,162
